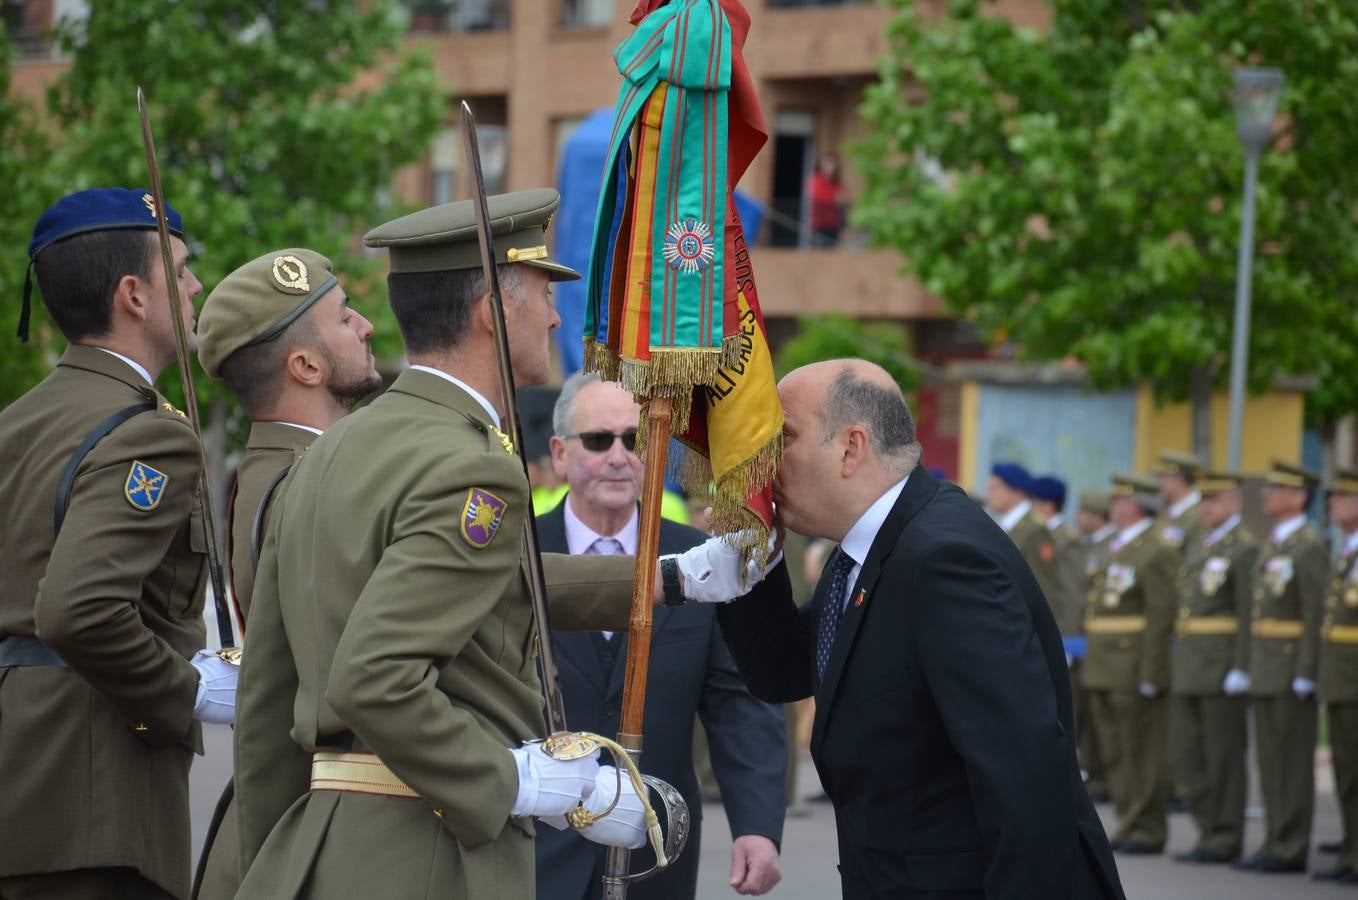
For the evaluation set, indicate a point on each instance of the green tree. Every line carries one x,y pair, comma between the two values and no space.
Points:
1079,190
276,124
23,171
834,337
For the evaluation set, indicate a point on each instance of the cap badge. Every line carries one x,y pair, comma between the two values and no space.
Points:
290,273
150,204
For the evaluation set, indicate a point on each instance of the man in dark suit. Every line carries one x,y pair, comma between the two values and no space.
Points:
595,426
943,730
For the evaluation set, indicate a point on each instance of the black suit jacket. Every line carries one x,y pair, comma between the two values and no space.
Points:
691,674
943,728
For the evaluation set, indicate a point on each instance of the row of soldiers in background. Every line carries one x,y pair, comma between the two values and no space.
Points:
1178,620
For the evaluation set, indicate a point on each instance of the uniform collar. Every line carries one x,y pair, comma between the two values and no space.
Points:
1015,515
1132,532
1285,530
280,436
107,363
1184,505
1055,522
475,394
1221,530
859,540
1103,533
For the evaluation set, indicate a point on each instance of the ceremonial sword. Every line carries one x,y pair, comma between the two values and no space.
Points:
229,652
562,743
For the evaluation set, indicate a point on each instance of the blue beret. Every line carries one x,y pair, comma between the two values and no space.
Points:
97,209
1049,487
1013,475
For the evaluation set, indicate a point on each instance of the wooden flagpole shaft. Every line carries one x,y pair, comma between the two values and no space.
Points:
659,413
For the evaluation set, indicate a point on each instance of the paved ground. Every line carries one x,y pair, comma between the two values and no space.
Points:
809,853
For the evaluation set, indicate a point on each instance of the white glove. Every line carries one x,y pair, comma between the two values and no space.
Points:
551,787
713,573
216,701
625,826
1148,690
1303,687
1236,683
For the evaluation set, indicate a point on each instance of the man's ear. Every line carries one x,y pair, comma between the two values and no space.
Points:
132,297
558,447
303,366
855,450
481,313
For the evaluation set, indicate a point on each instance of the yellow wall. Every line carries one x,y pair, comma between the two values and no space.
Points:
969,419
1272,430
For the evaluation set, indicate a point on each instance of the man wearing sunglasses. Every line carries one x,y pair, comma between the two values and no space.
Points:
595,424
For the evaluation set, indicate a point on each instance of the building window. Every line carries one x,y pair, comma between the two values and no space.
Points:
448,180
458,15
586,13
794,149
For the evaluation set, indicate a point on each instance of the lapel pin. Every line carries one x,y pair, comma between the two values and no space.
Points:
862,595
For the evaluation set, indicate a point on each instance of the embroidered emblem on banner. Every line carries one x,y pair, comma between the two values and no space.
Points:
688,246
144,486
481,517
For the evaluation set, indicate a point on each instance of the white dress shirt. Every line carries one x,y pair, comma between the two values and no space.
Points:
1184,505
1055,522
580,537
136,366
858,541
1014,516
475,394
1102,533
1222,530
1285,530
1131,533
315,431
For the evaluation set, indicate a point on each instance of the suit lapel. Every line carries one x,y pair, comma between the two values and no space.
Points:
575,646
918,491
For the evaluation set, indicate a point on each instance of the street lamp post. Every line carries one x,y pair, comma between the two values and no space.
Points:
1256,103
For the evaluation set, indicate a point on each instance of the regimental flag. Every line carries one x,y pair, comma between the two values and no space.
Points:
671,307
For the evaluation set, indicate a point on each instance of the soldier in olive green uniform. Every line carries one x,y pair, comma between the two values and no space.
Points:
1007,499
1067,563
1289,598
1179,525
1129,619
1210,660
392,651
101,557
280,333
1096,533
1339,670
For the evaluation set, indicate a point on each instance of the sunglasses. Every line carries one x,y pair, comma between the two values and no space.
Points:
602,441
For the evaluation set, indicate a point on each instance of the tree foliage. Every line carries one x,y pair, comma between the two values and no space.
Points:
276,124
835,337
1079,190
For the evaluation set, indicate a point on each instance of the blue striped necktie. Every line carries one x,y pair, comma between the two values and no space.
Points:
832,609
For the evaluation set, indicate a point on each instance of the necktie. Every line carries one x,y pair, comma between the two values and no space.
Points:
832,610
605,546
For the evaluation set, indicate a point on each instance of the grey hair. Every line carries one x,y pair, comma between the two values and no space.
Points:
881,411
564,410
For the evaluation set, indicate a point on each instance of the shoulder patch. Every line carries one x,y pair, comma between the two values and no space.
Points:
144,486
481,517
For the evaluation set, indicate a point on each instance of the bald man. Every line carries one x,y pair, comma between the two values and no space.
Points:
943,729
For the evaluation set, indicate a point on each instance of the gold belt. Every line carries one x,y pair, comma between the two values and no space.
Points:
1342,634
359,773
1115,625
1285,629
1208,625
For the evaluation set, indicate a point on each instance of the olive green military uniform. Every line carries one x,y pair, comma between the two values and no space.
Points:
1069,564
1209,727
253,305
1289,596
1129,618
1339,691
380,625
1038,547
1338,685
271,449
393,652
1093,550
96,753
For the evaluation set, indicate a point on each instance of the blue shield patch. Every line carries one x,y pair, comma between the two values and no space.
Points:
144,486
